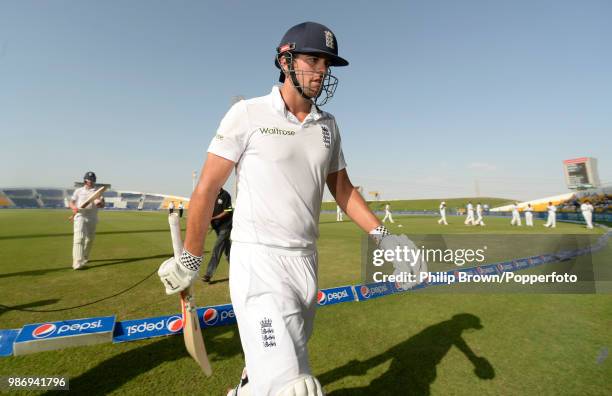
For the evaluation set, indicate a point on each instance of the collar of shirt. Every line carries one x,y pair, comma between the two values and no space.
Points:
279,104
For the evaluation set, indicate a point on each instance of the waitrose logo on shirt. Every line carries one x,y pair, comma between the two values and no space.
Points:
276,131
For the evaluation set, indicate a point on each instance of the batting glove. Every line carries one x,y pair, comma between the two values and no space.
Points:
411,264
177,276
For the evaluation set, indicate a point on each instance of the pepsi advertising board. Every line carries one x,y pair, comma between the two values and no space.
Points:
140,329
373,290
39,337
218,315
335,295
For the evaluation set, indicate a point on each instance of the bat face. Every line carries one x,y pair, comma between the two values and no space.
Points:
94,196
194,342
192,334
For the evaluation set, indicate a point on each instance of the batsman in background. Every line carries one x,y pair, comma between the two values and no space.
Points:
285,149
85,220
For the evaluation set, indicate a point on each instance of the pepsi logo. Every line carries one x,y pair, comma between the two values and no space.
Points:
44,330
365,291
321,297
211,316
174,324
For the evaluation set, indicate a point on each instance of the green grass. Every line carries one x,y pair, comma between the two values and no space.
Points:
402,344
428,204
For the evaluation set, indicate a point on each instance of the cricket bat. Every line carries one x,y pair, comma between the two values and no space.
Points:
192,334
92,198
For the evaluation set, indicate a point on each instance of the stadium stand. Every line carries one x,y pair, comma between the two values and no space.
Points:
26,202
151,206
601,198
110,194
131,196
54,203
133,205
19,193
57,198
4,201
50,193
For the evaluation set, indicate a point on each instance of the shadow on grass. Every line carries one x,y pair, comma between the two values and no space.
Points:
66,234
40,303
414,361
212,282
88,267
110,375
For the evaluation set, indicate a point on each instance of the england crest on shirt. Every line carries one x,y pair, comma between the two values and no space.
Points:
326,136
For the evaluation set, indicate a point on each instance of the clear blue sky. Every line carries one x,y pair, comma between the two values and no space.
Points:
439,94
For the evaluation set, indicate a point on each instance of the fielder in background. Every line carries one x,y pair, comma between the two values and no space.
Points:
528,215
479,215
587,212
442,213
284,149
339,213
388,214
516,216
171,207
552,216
469,220
221,222
181,207
84,221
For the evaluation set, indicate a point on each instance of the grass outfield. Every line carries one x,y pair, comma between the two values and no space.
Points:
428,204
415,343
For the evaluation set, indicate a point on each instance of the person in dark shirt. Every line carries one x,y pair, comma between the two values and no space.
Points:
221,222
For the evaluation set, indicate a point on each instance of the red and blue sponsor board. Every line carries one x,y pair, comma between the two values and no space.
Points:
506,266
521,264
490,269
140,329
335,295
7,337
218,315
374,290
66,328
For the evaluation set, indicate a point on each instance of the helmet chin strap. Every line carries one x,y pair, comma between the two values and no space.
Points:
289,59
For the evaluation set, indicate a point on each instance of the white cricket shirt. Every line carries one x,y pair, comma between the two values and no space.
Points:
281,169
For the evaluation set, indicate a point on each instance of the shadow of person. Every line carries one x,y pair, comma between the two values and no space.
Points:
92,265
414,361
24,307
111,374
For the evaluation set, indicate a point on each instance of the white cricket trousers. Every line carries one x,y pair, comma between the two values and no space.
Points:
470,218
552,220
442,218
516,219
529,219
82,241
388,216
588,217
479,219
274,294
